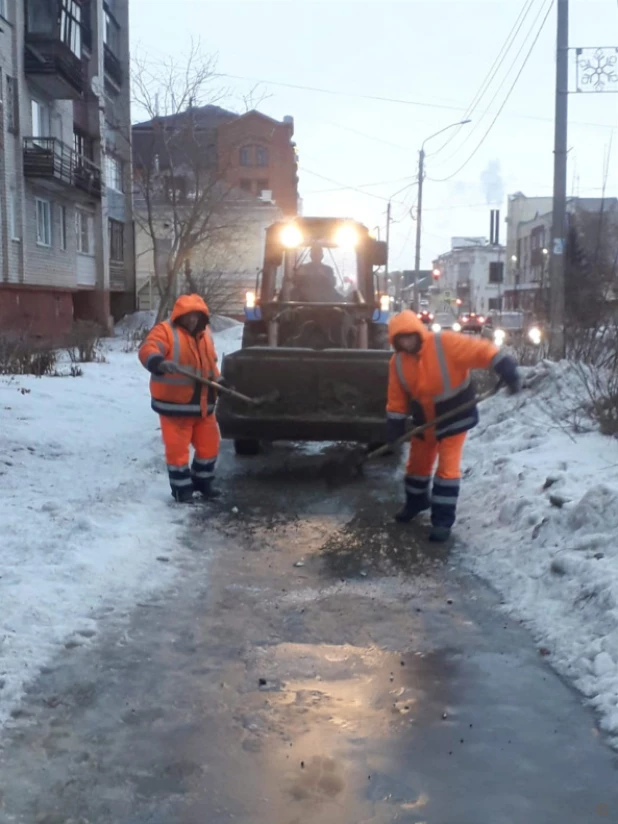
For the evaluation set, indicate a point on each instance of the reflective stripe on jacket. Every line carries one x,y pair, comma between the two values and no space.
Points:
175,394
437,380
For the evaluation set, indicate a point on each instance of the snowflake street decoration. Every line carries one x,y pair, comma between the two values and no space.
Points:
597,70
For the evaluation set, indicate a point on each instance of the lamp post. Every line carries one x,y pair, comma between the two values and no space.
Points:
419,207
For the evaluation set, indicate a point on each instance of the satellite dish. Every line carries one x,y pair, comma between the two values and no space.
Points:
97,86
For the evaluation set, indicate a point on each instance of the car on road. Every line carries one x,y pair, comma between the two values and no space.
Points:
472,324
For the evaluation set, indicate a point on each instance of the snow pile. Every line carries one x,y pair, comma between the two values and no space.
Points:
85,509
539,516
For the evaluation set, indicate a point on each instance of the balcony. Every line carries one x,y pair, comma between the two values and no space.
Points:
46,158
54,67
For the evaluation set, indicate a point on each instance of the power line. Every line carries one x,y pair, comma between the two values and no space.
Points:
504,79
361,186
493,71
343,186
337,93
506,100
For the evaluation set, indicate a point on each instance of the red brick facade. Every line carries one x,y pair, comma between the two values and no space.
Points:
257,153
37,312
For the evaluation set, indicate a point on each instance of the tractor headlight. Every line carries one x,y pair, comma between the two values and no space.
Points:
499,337
291,237
435,327
456,327
385,303
250,300
346,237
535,335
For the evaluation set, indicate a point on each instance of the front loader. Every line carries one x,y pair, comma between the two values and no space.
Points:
314,339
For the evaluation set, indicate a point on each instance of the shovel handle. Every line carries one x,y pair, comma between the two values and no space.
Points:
413,433
214,385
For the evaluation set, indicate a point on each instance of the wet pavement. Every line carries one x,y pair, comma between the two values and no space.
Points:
314,664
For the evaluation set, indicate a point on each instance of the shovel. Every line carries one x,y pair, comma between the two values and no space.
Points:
263,399
347,467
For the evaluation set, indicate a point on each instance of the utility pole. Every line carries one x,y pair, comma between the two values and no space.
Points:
419,215
388,233
559,216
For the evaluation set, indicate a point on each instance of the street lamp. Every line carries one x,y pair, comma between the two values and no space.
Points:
419,208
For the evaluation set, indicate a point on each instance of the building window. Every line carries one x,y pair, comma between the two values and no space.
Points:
496,272
113,173
494,304
71,26
63,228
41,119
12,105
245,156
42,18
262,156
116,241
83,145
83,229
3,9
111,35
13,216
245,184
43,222
262,186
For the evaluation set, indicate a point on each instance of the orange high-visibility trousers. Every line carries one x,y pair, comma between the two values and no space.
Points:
179,434
423,455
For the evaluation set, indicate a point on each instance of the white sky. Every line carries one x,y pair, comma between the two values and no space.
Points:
433,52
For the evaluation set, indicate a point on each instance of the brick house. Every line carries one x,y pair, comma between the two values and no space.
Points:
254,164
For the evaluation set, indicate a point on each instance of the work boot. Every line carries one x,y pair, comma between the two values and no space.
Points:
414,505
183,495
439,534
208,491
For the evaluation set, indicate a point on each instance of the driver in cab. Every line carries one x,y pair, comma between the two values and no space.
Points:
314,282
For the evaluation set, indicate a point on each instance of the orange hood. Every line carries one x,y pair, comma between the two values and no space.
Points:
406,323
189,303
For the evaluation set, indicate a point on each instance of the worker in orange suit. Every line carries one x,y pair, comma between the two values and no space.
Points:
429,376
186,407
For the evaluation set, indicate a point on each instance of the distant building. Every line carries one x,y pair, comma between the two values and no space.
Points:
66,229
529,223
473,272
254,163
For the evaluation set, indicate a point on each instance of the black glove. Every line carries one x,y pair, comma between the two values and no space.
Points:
395,429
168,367
507,371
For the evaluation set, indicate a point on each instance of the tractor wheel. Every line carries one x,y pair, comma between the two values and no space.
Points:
247,447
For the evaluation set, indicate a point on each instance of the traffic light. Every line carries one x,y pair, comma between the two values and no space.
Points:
459,301
436,273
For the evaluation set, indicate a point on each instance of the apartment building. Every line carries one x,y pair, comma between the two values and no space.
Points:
66,229
473,271
529,221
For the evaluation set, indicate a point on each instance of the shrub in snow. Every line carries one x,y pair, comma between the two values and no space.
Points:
85,343
26,357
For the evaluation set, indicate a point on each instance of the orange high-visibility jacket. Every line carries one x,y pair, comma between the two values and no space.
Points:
174,394
436,380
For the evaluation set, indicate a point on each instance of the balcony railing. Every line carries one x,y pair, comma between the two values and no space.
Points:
50,159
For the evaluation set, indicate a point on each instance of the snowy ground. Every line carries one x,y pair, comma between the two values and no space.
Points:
539,516
84,508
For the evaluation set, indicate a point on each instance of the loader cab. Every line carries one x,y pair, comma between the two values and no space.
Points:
317,266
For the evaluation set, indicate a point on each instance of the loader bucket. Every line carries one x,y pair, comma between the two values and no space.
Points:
327,395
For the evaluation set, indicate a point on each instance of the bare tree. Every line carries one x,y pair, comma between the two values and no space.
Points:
180,188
